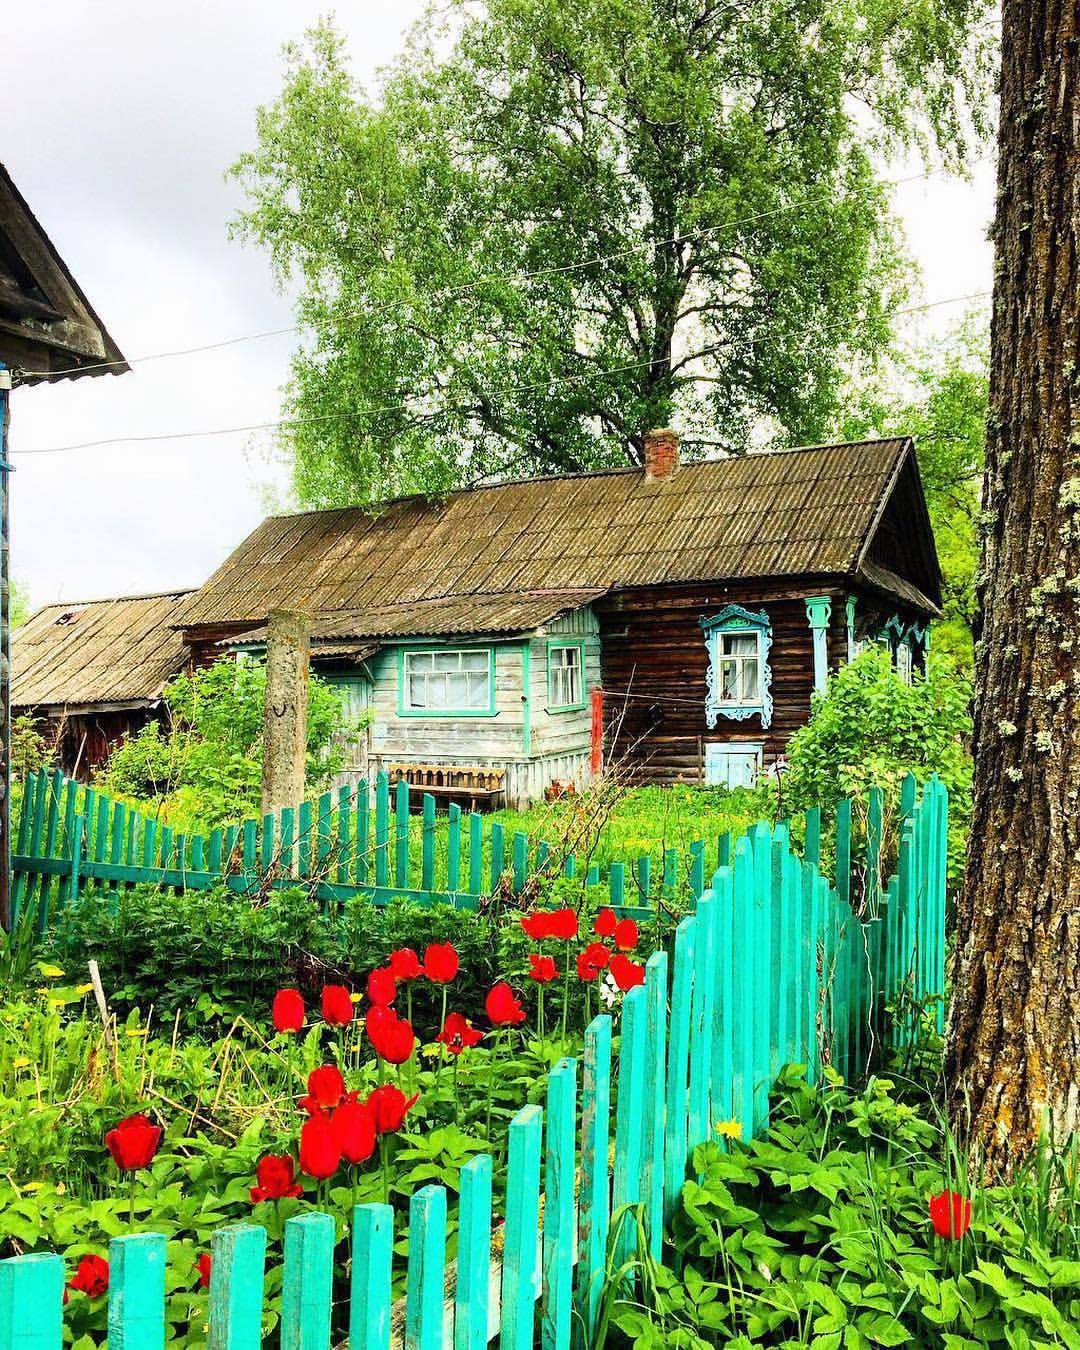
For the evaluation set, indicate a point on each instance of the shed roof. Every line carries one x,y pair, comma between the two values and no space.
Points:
810,511
47,325
117,651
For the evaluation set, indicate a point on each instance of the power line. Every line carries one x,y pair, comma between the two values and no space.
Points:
467,287
405,407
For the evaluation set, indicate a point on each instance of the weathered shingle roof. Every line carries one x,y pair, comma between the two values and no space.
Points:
445,616
807,511
101,652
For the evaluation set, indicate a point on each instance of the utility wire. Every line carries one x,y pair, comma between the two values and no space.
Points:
406,407
489,279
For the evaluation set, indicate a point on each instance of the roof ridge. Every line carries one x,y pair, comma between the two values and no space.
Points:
383,504
114,599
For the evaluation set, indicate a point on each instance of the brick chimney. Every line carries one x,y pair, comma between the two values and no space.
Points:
661,453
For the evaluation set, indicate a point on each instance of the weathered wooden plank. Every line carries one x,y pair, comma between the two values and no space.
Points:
520,860
678,1088
370,1291
426,1270
559,1207
476,853
427,849
344,834
744,1003
701,1025
308,1282
453,847
520,1275
629,1114
617,884
652,1176
842,871
498,849
595,1199
401,834
31,1302
136,1310
471,1297
237,1268
723,1064
363,831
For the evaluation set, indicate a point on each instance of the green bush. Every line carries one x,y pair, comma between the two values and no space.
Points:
208,768
870,729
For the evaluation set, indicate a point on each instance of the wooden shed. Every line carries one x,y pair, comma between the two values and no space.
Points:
685,611
92,673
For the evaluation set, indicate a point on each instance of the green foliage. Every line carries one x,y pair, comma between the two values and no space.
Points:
818,1235
207,768
30,750
940,396
717,160
871,729
20,604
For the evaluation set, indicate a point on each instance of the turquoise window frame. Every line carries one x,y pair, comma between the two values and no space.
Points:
403,709
579,643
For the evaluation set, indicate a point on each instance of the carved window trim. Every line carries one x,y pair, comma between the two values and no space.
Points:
734,619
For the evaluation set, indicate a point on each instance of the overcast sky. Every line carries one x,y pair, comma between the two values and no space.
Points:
120,119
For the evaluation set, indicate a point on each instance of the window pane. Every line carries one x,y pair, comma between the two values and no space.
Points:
743,644
457,687
478,695
750,681
729,687
417,697
474,660
420,660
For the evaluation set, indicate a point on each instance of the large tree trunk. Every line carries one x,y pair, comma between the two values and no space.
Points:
1014,1030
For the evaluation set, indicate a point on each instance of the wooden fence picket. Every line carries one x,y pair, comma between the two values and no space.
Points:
237,1264
372,1254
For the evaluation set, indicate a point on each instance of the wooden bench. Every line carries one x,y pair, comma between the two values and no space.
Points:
478,788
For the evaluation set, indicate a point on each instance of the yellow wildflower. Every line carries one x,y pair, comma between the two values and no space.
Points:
355,998
32,1186
728,1129
20,1062
50,972
138,1031
84,988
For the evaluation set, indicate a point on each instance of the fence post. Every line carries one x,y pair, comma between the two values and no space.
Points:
656,981
369,1298
559,1207
427,852
519,1284
720,1088
137,1292
743,1005
594,1210
427,1269
842,871
471,1299
401,835
308,1287
31,1302
629,1114
237,1261
701,1028
676,1121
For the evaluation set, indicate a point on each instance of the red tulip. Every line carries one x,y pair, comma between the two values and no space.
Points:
626,935
326,1090
389,1106
392,1038
320,1149
133,1143
597,955
441,962
405,964
91,1276
605,924
626,973
275,1179
287,1011
541,968
503,1007
563,924
382,986
354,1125
458,1034
337,1005
202,1266
536,926
587,969
950,1214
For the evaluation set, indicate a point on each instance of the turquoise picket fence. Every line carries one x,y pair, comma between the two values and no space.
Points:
71,838
773,966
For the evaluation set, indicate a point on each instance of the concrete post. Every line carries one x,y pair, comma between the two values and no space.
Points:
285,711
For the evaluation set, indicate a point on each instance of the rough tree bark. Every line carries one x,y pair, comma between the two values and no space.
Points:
1013,1054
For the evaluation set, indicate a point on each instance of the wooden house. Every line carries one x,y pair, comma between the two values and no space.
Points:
90,674
676,617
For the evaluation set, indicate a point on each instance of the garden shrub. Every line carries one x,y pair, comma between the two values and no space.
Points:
870,729
207,769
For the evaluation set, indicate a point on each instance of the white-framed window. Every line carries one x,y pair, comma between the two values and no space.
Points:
738,656
447,680
566,676
732,764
